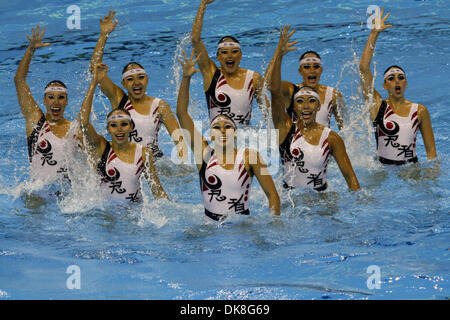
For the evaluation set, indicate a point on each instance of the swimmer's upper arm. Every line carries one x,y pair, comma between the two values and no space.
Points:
280,118
427,131
112,91
338,107
339,152
152,176
259,168
28,106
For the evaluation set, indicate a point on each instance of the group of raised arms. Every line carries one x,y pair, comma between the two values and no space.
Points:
300,112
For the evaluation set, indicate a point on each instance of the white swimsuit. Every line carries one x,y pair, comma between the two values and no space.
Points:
223,99
146,126
326,108
396,136
304,164
120,180
47,153
225,192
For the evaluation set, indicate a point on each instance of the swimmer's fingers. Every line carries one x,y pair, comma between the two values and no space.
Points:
36,38
196,59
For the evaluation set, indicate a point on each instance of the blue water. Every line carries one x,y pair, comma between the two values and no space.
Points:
320,247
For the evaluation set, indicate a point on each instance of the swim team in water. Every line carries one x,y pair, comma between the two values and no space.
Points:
300,112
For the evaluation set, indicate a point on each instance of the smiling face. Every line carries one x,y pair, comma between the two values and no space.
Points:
135,82
306,107
55,102
229,56
395,84
310,71
119,126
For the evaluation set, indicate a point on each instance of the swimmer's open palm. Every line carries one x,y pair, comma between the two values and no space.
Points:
378,23
36,38
189,64
108,24
284,45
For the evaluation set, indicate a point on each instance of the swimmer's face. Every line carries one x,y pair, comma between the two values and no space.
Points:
229,58
135,84
119,130
223,133
55,103
395,84
311,72
306,108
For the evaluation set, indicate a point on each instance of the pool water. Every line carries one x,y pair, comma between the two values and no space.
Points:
322,245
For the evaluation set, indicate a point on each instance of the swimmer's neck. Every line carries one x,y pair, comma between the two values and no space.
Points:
121,147
225,154
58,122
396,102
135,101
307,127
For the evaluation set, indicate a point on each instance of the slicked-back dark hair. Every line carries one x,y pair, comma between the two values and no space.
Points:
129,64
55,81
307,52
230,37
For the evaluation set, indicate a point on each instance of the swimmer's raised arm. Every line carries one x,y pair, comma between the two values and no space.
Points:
338,109
206,65
109,88
172,126
151,175
259,169
28,105
260,95
337,149
195,139
364,66
283,47
280,118
92,139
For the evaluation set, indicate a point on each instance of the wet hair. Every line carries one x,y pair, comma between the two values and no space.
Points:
389,68
55,82
123,111
226,116
129,64
393,66
307,52
228,37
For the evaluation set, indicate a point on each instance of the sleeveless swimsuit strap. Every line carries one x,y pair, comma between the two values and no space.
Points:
33,137
122,102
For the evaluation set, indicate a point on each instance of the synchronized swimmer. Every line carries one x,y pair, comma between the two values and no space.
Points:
300,113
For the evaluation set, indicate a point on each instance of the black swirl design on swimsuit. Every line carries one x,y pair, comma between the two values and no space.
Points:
212,182
391,128
111,175
297,157
45,148
222,100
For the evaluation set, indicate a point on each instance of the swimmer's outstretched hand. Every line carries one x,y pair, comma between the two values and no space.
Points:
108,24
189,64
208,1
100,71
283,44
36,38
379,22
